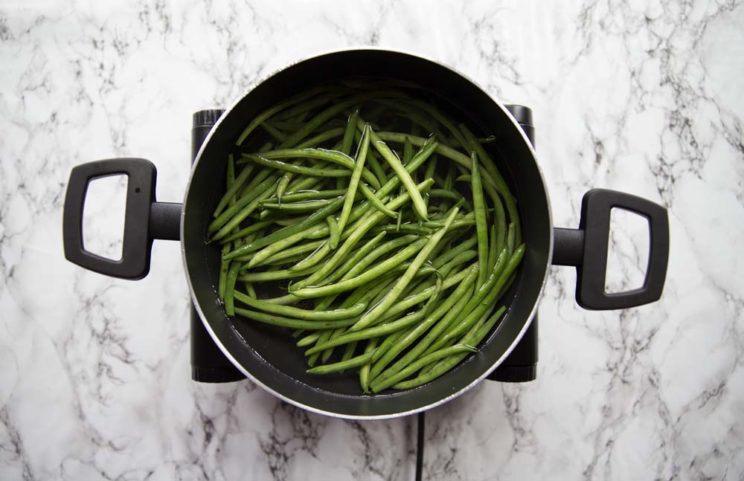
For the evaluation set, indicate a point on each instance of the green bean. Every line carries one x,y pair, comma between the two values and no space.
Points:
407,150
457,261
318,255
481,226
405,229
423,294
282,186
500,217
498,180
355,258
389,340
380,308
452,154
268,113
312,360
375,166
461,223
316,122
446,194
368,333
288,231
232,190
510,237
285,262
454,252
335,157
377,203
385,383
308,340
326,354
360,360
354,182
349,133
281,244
291,323
321,137
333,232
423,326
244,233
389,281
442,325
445,243
303,184
348,350
239,242
293,251
263,191
482,319
405,178
428,147
370,349
254,187
230,171
486,299
273,275
298,207
356,234
324,336
351,283
471,143
273,131
224,266
445,365
484,328
449,179
481,300
298,112
439,117
418,121
492,247
296,169
369,294
424,271
437,219
232,275
297,313
431,168
302,196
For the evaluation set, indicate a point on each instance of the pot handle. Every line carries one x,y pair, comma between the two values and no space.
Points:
144,220
586,248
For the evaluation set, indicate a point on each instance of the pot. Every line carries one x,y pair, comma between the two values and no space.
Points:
269,358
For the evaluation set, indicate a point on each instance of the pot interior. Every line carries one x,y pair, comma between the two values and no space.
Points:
267,354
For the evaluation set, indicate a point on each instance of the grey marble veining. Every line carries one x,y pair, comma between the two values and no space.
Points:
643,97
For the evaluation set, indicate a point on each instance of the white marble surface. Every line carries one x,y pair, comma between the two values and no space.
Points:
638,96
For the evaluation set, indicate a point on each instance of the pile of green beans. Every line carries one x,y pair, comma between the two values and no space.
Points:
371,225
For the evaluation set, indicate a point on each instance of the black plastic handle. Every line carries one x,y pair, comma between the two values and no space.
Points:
586,248
144,219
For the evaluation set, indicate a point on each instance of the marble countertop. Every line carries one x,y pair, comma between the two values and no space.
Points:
643,97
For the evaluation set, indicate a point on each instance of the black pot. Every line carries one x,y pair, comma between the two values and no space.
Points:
269,358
